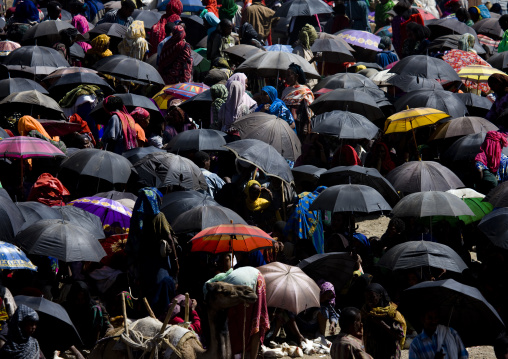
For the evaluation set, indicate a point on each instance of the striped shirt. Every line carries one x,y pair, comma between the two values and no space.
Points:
347,346
423,347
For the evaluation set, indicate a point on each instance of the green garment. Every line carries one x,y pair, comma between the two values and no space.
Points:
307,36
70,98
228,9
503,45
382,13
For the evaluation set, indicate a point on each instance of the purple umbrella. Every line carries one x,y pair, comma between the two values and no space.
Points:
114,216
361,39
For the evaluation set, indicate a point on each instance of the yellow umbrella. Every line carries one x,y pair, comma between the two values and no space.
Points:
162,98
478,72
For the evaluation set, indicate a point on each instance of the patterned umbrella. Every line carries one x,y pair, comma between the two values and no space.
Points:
459,59
362,39
7,46
183,91
27,147
488,41
55,75
11,257
114,216
476,76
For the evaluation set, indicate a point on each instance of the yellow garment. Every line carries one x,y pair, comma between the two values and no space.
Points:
134,43
100,46
307,36
257,204
28,123
391,312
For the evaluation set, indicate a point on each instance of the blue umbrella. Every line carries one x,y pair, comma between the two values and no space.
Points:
11,257
281,48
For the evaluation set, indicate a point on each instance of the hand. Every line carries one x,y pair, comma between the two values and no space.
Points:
266,107
333,328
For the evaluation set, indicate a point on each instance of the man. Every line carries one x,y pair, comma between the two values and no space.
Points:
54,11
260,17
168,29
349,342
220,40
120,16
436,341
358,12
214,182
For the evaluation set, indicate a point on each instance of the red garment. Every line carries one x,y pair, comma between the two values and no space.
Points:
158,33
340,22
9,132
128,125
48,190
195,322
418,18
491,148
346,156
175,64
212,7
85,130
387,164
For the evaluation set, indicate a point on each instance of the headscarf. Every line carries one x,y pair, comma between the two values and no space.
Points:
381,13
128,125
173,48
134,43
139,114
158,32
26,11
213,21
242,78
48,190
212,7
255,204
466,42
147,206
85,130
80,23
19,346
299,73
378,288
275,107
100,46
346,156
491,150
228,9
28,123
499,79
387,163
325,287
219,94
232,108
307,36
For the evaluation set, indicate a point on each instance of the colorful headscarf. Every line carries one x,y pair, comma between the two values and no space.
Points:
173,48
254,204
140,114
307,36
325,287
228,9
387,163
173,10
18,345
242,78
48,190
100,46
346,156
232,108
85,130
219,94
81,24
147,205
212,20
212,7
28,123
134,43
128,125
466,42
491,150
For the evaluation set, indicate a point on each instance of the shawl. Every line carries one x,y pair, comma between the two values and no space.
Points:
387,163
389,312
85,130
219,94
48,190
307,36
19,346
325,287
242,78
466,42
100,46
70,97
444,336
228,9
81,24
28,123
277,108
140,114
293,95
172,48
212,20
211,7
134,43
255,204
175,63
128,125
233,108
346,156
158,32
381,13
491,148
26,12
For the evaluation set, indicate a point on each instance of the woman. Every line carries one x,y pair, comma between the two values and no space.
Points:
466,43
491,162
345,155
26,124
134,43
48,190
417,39
26,13
381,14
67,38
298,98
232,12
81,24
386,56
219,94
120,131
175,64
384,327
142,120
177,121
380,159
158,32
306,38
99,50
234,107
20,344
247,99
211,7
497,114
258,210
85,129
274,106
212,21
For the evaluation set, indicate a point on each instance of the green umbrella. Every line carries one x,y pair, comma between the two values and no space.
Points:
479,208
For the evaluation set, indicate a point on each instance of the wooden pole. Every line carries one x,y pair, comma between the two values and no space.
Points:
165,324
125,324
187,308
149,309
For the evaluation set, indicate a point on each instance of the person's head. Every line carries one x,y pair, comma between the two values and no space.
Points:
496,8
254,189
24,321
501,347
430,321
127,8
76,7
268,94
54,10
395,226
113,103
226,27
202,160
295,75
402,7
376,296
474,13
168,28
385,43
327,292
350,322
462,15
452,5
68,36
141,117
307,36
503,22
498,83
100,43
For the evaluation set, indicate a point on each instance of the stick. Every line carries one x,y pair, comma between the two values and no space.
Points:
149,309
165,324
187,308
125,324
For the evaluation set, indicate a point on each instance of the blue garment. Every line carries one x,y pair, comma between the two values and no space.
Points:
502,171
212,20
277,108
93,7
423,347
358,12
26,11
160,46
148,204
385,58
305,224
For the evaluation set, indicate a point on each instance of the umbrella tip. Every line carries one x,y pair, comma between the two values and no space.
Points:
231,221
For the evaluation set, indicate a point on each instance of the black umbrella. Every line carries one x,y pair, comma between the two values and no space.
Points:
415,254
36,211
441,27
344,80
129,68
242,52
65,15
499,61
197,140
175,203
420,176
76,52
263,156
11,220
115,195
32,102
199,218
149,18
348,100
445,101
60,239
198,107
476,105
493,225
96,163
303,8
489,27
166,170
431,203
11,85
460,307
350,198
49,30
111,29
4,134
37,60
448,42
79,78
498,196
426,66
463,126
195,30
408,83
344,124
360,175
336,268
81,218
332,50
307,173
136,154
466,148
131,101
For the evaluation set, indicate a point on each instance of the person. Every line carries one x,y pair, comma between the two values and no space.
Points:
497,114
349,342
67,39
99,50
211,7
463,16
403,12
274,106
27,124
261,18
48,190
249,36
19,341
120,131
298,97
211,22
381,13
417,40
394,234
478,13
220,40
134,44
54,9
177,121
496,9
340,20
142,119
234,107
242,78
219,94
384,326
176,61
81,24
380,158
466,43
436,340
359,13
158,32
178,314
26,13
214,182
122,16
491,163
345,155
168,28
232,12
306,39
386,56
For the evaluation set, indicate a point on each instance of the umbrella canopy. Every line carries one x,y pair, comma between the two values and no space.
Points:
459,306
166,169
11,257
131,101
230,238
197,140
35,211
408,83
344,80
476,105
111,29
462,126
129,68
175,203
493,225
350,198
185,90
49,30
6,47
303,8
476,76
332,50
195,30
408,120
431,203
450,42
59,127
279,48
242,52
276,63
11,220
263,156
11,85
198,107
382,77
348,100
362,39
55,75
344,124
78,78
360,175
116,196
27,147
459,59
60,239
466,148
100,164
307,173
192,5
498,196
440,100
441,27
35,101
136,154
336,268
420,176
426,66
489,27
499,60
272,130
289,288
479,208
415,254
37,60
149,18
199,218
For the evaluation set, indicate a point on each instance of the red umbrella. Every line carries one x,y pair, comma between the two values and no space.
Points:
426,15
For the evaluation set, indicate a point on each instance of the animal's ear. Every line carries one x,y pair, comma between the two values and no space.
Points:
210,287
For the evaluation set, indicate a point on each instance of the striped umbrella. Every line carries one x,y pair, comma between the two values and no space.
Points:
27,147
11,257
478,76
182,91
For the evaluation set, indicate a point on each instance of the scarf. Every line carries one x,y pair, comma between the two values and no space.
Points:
172,48
387,163
444,336
275,107
325,287
307,36
100,46
48,190
381,13
346,156
84,130
219,94
233,108
255,204
80,23
242,78
140,114
228,9
70,97
158,32
466,42
28,123
128,125
212,20
134,44
211,7
491,148
389,312
19,346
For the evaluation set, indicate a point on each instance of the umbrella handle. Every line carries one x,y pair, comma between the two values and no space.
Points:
126,325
